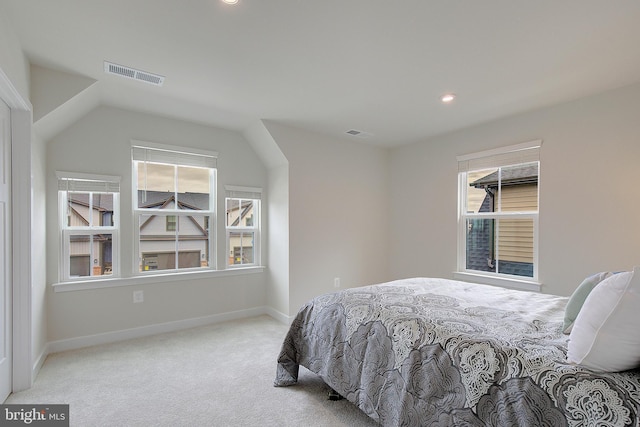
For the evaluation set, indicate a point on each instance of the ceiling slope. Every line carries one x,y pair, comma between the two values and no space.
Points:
330,66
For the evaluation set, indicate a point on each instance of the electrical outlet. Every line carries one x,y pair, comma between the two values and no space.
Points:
336,282
138,296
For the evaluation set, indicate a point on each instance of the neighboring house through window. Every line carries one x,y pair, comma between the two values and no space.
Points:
498,219
243,225
89,225
173,217
174,200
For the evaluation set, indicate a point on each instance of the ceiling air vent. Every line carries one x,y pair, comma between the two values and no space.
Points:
132,73
358,133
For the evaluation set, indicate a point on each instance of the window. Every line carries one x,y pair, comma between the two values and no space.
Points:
174,200
498,215
171,223
243,225
89,225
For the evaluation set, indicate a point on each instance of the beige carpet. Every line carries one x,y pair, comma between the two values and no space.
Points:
217,375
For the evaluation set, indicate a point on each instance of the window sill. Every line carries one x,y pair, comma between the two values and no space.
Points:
505,282
152,278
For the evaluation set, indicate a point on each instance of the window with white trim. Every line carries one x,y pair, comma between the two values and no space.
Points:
173,207
89,226
498,211
242,206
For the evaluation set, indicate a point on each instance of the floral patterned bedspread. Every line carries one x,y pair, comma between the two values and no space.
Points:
419,352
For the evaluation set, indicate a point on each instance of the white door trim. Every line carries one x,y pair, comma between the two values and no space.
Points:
21,119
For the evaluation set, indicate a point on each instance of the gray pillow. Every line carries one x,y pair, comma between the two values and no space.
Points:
578,297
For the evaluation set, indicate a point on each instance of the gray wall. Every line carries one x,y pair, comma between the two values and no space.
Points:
589,192
12,61
100,143
338,213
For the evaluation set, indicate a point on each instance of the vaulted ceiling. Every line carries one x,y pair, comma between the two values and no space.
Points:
331,66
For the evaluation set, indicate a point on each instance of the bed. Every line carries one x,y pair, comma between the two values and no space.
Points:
428,351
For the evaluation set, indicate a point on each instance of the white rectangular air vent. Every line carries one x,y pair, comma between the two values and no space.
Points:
132,73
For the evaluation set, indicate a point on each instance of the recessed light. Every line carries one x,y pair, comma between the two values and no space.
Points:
448,97
230,1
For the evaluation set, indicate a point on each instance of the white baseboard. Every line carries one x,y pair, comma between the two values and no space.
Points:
40,360
281,317
143,331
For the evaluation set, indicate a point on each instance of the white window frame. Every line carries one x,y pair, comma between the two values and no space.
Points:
176,156
245,193
88,183
522,153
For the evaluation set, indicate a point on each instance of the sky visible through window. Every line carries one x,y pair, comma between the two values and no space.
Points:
161,177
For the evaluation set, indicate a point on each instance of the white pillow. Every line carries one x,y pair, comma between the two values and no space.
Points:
578,298
605,334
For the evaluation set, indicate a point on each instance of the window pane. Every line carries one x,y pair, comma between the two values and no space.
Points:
240,213
80,255
515,247
102,205
241,248
102,255
89,209
247,213
480,244
157,245
481,190
185,247
90,255
193,242
502,246
78,211
519,188
193,188
156,184
233,211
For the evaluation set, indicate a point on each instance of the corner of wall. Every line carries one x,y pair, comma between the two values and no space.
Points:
267,149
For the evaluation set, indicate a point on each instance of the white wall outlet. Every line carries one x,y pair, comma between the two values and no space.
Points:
336,282
138,296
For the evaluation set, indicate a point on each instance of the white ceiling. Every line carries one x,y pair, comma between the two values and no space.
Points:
329,66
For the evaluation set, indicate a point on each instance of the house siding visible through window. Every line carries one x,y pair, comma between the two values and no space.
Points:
89,226
242,210
498,218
